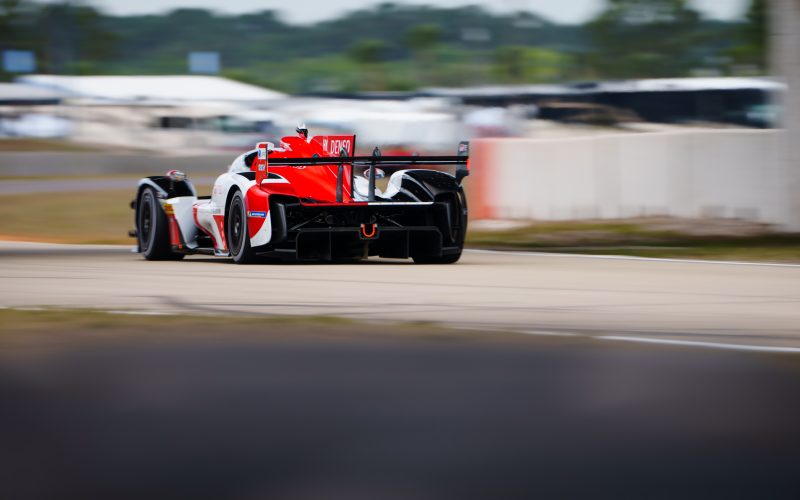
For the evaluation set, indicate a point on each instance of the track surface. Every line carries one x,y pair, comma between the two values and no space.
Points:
354,412
679,301
313,412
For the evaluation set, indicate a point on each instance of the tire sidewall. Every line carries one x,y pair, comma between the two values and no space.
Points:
158,245
148,200
242,254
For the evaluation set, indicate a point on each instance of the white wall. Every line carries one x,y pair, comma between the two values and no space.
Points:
784,44
734,173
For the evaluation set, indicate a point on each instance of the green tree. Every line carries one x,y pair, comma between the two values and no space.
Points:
385,46
369,53
752,51
9,12
72,38
518,64
17,28
422,40
645,38
423,37
509,63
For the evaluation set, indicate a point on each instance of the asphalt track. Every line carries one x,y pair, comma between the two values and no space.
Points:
321,413
684,302
351,411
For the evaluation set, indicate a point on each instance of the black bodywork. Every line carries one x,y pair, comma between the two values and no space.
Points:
426,219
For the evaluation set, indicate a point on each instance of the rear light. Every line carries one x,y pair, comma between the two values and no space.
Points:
261,162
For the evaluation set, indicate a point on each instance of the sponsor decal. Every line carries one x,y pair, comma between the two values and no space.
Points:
262,215
335,146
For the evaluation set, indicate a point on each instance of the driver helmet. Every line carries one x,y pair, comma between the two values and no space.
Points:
302,131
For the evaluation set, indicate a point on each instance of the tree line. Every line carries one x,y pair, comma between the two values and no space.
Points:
392,47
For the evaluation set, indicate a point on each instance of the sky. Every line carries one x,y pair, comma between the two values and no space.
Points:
564,11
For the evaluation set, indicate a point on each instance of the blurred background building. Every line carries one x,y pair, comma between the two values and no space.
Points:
637,108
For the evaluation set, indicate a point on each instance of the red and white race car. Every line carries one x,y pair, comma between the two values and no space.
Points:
310,199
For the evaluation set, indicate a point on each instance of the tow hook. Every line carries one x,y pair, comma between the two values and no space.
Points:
369,231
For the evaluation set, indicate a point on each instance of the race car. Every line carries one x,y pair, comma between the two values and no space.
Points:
310,199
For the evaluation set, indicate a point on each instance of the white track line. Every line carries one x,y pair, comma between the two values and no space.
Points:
626,257
711,345
551,334
645,340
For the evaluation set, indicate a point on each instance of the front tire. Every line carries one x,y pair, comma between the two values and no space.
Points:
152,228
236,231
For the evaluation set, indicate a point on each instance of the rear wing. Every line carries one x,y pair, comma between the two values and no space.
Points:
460,161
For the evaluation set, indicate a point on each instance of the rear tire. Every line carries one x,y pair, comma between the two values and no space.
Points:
458,236
152,228
236,231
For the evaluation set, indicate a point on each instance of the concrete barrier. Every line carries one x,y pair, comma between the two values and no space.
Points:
726,173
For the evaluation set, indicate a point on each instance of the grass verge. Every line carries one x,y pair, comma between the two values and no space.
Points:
88,217
94,217
90,319
668,238
46,326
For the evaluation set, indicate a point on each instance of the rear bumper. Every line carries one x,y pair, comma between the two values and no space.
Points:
333,232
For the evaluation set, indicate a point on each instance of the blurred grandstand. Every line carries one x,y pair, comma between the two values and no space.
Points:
169,113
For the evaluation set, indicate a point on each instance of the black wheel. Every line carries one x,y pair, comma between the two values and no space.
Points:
457,235
152,228
236,231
